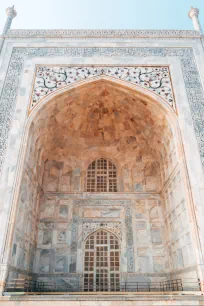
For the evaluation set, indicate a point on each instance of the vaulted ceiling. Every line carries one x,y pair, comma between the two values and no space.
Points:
100,115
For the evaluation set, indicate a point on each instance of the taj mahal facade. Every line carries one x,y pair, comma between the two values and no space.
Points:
102,166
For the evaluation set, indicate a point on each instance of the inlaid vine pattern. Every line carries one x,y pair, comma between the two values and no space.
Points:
50,79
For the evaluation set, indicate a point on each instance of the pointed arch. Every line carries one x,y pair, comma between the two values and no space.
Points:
141,92
146,99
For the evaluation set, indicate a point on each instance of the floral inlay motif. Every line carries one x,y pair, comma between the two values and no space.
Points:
114,227
156,79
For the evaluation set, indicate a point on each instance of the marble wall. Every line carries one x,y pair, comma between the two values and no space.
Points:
177,224
175,212
136,173
148,214
50,224
54,243
25,234
150,250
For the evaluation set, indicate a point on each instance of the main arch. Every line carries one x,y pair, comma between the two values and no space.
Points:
139,132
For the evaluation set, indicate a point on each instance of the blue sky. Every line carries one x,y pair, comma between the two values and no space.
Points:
101,14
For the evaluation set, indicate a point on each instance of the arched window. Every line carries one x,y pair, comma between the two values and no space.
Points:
102,262
101,176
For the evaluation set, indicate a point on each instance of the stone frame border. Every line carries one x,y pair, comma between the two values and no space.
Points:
101,33
20,54
127,204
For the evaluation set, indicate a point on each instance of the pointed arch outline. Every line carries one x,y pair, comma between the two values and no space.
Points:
138,91
141,91
144,94
101,76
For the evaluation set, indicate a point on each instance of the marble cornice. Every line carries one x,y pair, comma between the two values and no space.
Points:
25,33
165,296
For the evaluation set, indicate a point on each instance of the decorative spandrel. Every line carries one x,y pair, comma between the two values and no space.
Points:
155,79
114,227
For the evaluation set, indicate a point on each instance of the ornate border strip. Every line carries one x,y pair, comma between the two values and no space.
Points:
48,79
190,74
130,241
115,297
102,33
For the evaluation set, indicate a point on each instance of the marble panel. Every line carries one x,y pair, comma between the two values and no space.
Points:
60,264
140,210
141,225
143,236
156,235
47,237
158,264
144,264
63,211
61,236
101,213
44,261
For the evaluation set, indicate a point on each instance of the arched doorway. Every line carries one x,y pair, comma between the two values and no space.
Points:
102,262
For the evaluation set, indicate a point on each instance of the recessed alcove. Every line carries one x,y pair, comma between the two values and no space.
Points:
135,138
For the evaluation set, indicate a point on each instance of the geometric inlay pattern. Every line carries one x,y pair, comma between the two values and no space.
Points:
156,79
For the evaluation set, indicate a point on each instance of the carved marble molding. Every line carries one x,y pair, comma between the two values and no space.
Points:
116,297
102,33
188,64
101,202
90,227
50,79
153,275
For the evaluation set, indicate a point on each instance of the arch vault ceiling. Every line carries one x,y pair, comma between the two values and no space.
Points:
100,114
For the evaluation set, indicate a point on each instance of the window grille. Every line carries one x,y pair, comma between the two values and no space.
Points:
101,176
102,262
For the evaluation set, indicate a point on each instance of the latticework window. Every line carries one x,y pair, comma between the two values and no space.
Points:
101,176
102,262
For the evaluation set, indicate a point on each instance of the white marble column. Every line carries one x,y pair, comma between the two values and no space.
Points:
11,13
193,14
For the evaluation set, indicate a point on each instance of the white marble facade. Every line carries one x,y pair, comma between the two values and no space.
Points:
48,138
